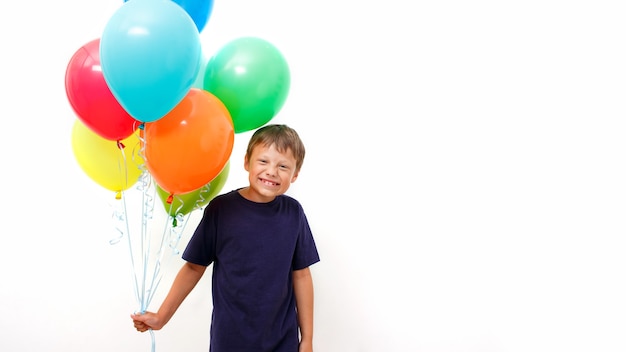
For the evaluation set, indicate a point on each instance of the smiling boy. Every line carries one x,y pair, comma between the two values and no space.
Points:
261,246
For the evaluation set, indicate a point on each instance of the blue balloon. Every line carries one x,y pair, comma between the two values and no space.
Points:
150,55
199,10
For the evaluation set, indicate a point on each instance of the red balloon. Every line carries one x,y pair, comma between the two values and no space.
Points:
91,97
190,146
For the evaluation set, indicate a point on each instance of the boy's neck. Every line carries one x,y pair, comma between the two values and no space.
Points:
245,192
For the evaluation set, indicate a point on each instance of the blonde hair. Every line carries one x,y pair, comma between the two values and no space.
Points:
283,137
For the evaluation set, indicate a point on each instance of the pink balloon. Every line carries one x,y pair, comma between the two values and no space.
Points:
91,98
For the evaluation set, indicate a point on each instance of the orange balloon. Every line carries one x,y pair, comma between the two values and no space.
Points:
187,148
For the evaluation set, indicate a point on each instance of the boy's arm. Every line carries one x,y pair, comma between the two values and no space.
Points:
303,289
186,279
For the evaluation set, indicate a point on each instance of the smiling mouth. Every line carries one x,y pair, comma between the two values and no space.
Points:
269,183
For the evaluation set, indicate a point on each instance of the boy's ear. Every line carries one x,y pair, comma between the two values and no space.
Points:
295,176
245,163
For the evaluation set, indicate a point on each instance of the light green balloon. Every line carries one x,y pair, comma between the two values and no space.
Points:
251,77
187,202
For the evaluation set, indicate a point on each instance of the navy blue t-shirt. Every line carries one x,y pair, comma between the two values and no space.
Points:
254,247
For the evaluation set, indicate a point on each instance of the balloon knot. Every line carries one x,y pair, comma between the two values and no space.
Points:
120,145
170,199
118,195
174,222
142,126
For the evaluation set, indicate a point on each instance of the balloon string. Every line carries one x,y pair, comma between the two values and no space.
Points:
147,211
166,239
180,218
153,349
172,212
201,198
147,214
177,232
123,167
122,218
170,236
147,207
132,257
156,275
146,246
119,220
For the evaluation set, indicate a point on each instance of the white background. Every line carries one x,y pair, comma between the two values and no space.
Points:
465,177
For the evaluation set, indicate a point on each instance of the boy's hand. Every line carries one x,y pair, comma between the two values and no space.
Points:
144,322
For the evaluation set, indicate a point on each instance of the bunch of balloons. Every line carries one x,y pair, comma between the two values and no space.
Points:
152,112
144,84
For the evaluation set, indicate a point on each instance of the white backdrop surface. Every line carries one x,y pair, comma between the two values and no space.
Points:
465,177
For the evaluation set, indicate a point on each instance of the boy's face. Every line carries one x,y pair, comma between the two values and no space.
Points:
270,173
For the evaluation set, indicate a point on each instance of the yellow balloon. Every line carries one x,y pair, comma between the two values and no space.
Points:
113,166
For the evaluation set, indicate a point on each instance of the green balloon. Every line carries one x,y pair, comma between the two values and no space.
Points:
251,77
187,202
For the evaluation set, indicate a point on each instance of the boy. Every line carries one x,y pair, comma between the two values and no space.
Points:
261,247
